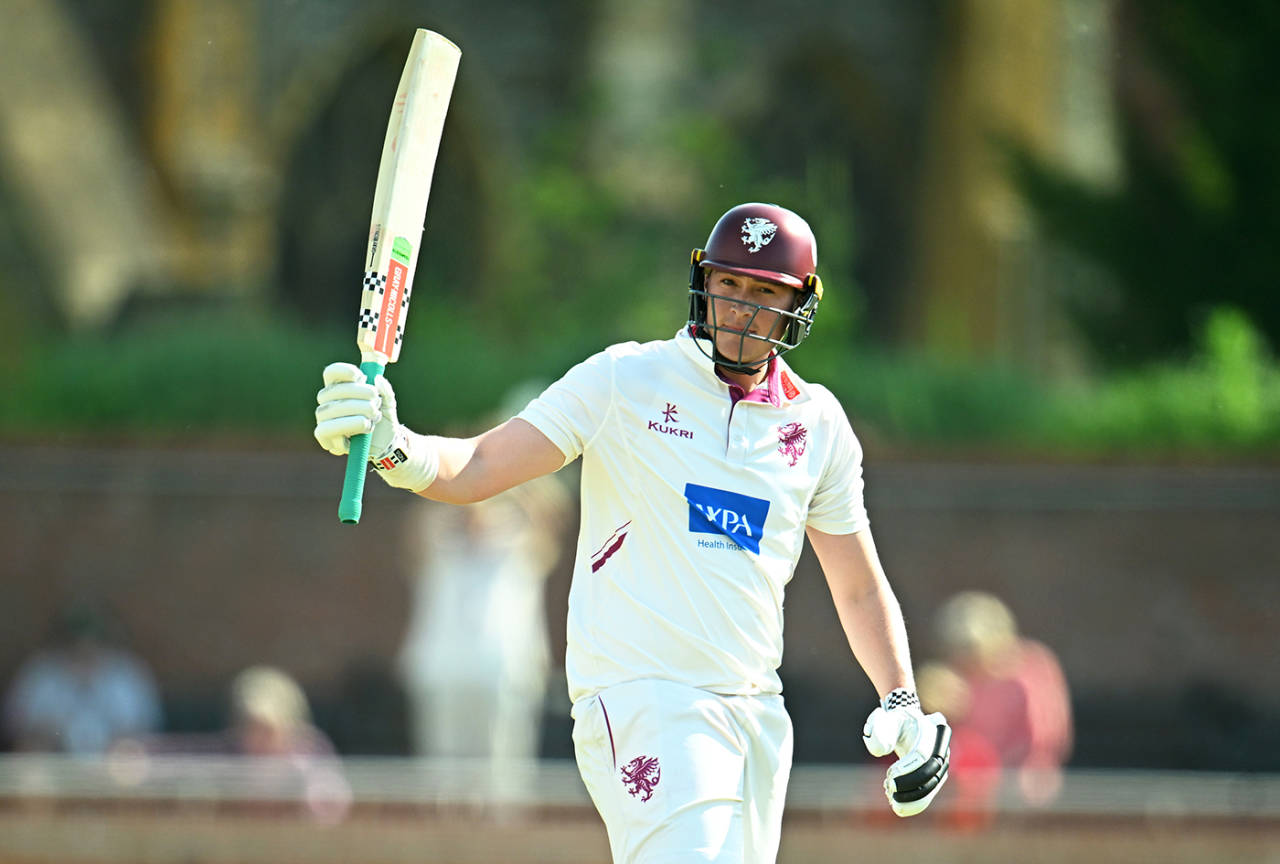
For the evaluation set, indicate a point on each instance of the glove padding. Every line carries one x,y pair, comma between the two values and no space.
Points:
923,745
349,405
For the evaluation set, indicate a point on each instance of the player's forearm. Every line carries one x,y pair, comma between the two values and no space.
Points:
460,479
868,609
873,625
473,469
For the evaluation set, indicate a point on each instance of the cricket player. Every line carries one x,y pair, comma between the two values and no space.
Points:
706,461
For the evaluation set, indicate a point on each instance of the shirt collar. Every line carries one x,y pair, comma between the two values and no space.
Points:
769,390
777,388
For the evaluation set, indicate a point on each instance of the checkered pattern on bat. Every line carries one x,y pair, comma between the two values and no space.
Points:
404,305
377,283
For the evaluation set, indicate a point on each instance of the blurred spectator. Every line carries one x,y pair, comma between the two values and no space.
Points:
270,716
82,692
270,724
476,655
1007,699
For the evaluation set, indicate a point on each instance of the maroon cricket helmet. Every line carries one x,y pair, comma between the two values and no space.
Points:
762,241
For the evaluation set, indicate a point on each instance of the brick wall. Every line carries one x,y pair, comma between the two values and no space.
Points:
1156,586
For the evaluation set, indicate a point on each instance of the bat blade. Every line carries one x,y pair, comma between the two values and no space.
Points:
408,163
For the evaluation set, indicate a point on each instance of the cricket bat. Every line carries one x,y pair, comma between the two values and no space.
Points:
399,209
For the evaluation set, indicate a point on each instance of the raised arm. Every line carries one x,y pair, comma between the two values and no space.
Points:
472,469
453,470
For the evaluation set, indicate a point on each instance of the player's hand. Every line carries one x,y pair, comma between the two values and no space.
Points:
922,743
349,405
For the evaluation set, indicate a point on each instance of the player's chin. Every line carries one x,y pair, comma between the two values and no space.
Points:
741,346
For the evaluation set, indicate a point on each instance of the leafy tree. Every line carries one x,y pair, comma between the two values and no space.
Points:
1192,224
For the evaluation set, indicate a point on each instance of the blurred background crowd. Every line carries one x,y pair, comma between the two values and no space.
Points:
1047,231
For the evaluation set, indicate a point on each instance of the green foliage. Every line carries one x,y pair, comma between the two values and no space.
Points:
914,401
212,375
1192,224
1227,399
575,257
197,376
585,260
233,376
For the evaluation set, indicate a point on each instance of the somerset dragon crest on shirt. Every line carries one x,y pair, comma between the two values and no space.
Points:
641,776
792,439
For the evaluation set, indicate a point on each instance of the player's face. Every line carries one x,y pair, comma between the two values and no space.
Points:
740,327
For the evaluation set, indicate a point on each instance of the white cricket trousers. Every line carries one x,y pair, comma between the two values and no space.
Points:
680,774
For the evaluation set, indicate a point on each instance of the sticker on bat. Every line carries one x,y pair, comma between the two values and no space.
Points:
374,239
397,275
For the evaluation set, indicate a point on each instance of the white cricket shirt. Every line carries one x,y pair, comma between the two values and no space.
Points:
693,513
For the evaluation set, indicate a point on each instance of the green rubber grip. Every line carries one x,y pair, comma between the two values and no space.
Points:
357,462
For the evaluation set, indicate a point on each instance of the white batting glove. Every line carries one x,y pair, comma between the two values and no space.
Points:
349,405
922,743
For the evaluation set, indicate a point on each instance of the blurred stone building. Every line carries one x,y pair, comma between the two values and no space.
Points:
179,148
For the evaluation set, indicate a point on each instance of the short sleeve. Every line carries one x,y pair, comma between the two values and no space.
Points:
837,506
572,410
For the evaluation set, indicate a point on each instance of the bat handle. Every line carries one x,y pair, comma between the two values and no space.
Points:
357,462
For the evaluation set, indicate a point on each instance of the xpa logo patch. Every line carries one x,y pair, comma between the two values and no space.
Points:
641,775
737,517
757,232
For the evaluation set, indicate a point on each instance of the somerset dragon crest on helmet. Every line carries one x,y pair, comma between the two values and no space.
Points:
757,231
762,241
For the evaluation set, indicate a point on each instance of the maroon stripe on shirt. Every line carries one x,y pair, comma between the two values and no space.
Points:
613,753
608,553
621,527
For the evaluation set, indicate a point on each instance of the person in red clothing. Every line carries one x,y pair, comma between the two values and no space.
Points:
1008,699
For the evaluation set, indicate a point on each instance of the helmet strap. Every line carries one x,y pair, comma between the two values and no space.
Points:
734,366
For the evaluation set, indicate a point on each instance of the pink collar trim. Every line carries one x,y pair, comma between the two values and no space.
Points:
777,387
770,390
